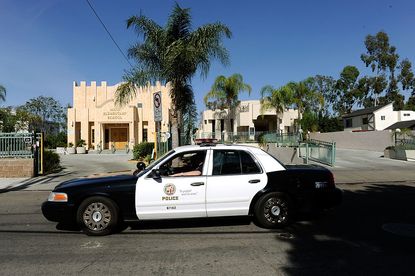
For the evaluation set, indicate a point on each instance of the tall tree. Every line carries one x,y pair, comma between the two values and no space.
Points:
305,97
2,93
224,94
325,85
348,90
383,60
278,99
42,110
173,54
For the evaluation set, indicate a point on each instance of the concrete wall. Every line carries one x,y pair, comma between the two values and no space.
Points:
11,167
370,140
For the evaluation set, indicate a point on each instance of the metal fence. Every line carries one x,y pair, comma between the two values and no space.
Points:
17,145
405,143
284,139
318,151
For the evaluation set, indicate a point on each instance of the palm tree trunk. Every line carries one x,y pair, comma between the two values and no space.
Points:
175,139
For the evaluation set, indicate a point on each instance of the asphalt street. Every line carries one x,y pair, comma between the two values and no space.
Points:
369,234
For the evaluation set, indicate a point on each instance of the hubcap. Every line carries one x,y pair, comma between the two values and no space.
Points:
97,216
276,210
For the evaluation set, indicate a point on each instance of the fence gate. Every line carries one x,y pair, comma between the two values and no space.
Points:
24,145
318,151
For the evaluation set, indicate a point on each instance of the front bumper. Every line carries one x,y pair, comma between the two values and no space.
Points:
59,211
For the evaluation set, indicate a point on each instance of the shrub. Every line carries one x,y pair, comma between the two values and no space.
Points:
51,162
81,143
55,140
142,150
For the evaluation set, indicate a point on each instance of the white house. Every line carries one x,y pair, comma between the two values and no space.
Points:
375,118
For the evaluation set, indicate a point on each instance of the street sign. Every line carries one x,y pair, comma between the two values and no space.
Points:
157,107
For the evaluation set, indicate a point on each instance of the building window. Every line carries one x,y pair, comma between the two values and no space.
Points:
364,121
383,118
205,122
349,123
93,136
145,137
406,114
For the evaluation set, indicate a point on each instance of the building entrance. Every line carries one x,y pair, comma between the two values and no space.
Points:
119,136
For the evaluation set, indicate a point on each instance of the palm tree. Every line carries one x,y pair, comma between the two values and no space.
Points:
2,93
173,54
277,99
305,97
224,93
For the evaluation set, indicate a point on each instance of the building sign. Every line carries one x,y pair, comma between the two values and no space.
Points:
244,108
115,114
157,107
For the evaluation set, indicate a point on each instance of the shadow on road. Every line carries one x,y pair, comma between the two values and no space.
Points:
35,181
350,240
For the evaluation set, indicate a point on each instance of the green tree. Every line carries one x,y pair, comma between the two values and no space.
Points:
348,90
325,85
383,60
305,97
173,54
224,94
277,99
2,93
42,111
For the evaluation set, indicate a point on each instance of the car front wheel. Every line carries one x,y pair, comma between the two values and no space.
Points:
273,210
97,216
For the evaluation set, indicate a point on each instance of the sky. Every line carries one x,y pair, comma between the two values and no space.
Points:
45,45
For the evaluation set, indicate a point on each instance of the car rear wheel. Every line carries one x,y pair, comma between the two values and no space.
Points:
98,216
273,210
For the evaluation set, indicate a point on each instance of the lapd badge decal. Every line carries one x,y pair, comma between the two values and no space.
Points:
169,190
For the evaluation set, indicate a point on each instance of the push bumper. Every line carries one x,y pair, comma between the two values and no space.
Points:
58,211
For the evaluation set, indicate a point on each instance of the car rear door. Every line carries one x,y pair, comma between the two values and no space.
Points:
235,176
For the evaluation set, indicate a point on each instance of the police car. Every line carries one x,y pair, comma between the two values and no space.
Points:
195,181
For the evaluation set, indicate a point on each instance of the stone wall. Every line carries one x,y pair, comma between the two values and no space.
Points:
369,140
11,167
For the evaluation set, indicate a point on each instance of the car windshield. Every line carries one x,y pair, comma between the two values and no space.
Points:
155,163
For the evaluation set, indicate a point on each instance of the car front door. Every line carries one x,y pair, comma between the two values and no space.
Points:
178,191
234,178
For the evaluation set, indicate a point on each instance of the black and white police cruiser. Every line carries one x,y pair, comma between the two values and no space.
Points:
197,181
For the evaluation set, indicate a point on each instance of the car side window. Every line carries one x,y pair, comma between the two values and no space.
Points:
184,164
227,162
248,164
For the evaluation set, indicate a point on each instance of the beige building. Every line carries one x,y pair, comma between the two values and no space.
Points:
247,118
98,121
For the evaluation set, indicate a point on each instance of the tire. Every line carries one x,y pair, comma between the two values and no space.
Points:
273,210
97,216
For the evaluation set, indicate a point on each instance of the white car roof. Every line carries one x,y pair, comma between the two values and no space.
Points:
268,162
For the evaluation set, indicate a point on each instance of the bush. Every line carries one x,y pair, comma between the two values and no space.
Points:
142,150
81,143
51,162
55,140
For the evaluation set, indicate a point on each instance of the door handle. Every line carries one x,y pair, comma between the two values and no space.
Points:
197,184
254,181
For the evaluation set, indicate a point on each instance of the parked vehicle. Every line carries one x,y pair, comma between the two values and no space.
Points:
195,182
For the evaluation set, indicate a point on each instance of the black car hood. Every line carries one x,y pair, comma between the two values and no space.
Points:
96,181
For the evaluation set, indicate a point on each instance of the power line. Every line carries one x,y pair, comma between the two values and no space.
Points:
108,32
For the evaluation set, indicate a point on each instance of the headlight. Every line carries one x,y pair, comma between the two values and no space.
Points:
58,197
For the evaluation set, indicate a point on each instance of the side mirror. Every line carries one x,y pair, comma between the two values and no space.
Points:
155,174
141,166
